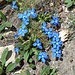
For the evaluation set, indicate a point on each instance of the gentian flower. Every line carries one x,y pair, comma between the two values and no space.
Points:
23,25
44,26
16,36
56,43
55,35
38,44
55,21
13,5
16,49
24,17
32,13
56,53
22,31
49,32
42,56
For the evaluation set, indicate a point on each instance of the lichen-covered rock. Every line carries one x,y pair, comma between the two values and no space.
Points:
11,53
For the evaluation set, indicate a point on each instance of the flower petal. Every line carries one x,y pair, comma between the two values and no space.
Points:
34,44
43,60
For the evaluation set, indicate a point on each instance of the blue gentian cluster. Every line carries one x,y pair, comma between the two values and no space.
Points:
42,55
13,5
56,45
25,21
48,32
54,36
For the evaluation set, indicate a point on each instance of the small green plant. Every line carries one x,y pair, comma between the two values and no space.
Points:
5,24
2,16
47,71
69,3
44,16
5,69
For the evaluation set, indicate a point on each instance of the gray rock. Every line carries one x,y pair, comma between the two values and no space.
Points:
11,50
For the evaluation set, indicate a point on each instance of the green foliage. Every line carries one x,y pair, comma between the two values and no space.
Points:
26,4
10,67
1,70
5,24
2,16
69,3
3,57
1,36
47,71
27,72
53,71
26,56
44,17
32,66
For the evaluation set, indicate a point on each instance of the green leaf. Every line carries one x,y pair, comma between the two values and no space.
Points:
10,67
26,56
35,51
45,71
2,27
53,71
32,66
3,57
1,70
68,3
0,36
7,24
31,52
18,60
21,53
27,72
27,45
2,16
30,60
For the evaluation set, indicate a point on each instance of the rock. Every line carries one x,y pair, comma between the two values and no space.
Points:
64,34
11,53
15,21
6,10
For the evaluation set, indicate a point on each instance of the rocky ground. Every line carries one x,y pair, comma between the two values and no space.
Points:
66,66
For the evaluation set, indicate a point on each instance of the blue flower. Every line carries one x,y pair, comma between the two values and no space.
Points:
32,13
49,32
42,56
55,35
24,17
14,6
16,49
56,43
44,26
22,31
56,52
38,44
23,25
55,21
16,36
